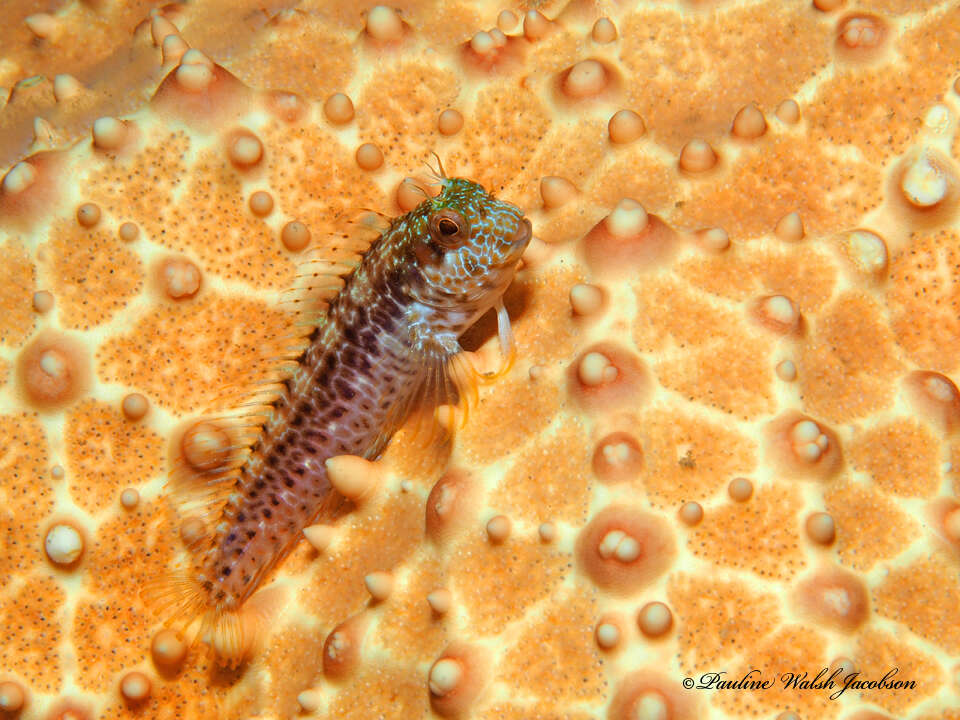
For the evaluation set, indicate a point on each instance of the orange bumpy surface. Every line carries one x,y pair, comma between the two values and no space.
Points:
728,443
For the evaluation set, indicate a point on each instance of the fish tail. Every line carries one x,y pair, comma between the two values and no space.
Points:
233,631
235,634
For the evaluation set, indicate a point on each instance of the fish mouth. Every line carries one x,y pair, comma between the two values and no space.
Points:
518,242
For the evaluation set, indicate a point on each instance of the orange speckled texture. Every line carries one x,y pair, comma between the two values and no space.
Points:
689,458
216,347
531,632
95,274
882,528
702,604
17,283
107,453
763,532
901,457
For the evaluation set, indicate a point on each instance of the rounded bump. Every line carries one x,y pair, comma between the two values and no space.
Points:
800,447
135,686
861,37
585,299
556,191
617,458
63,545
786,370
160,29
129,498
627,240
788,112
697,156
625,126
384,24
44,26
789,228
319,536
379,584
179,278
205,446
507,21
338,109
740,489
173,48
866,251
450,122
244,149
606,376
369,157
820,528
778,313
749,123
498,529
342,648
109,133
66,87
261,203
449,505
310,701
128,231
193,77
655,619
354,477
535,25
834,598
609,632
926,182
295,236
690,513
134,406
410,194
624,549
168,650
42,301
440,601
650,695
53,371
935,399
13,697
20,177
88,215
586,79
604,31
456,679
547,532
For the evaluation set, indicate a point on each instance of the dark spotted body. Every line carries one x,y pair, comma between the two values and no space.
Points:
383,346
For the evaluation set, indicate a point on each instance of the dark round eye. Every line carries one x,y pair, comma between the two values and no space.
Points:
448,228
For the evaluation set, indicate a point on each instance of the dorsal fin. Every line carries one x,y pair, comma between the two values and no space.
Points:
242,409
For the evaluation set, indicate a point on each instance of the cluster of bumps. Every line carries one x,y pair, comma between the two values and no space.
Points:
730,438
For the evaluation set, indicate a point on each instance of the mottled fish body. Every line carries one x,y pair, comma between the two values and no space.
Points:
385,346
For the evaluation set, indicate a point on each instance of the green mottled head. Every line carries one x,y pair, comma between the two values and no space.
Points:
465,245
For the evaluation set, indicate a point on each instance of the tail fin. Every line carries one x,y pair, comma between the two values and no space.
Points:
233,634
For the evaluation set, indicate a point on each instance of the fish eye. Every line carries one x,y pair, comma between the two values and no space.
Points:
448,228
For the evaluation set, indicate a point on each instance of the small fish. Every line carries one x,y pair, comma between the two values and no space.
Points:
389,343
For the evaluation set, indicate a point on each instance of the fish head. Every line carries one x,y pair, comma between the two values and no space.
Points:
466,246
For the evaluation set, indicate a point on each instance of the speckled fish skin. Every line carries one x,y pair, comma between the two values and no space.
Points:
397,318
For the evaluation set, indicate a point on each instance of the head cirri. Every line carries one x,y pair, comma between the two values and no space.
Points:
465,244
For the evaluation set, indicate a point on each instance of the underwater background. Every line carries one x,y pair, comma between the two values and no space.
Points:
720,479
